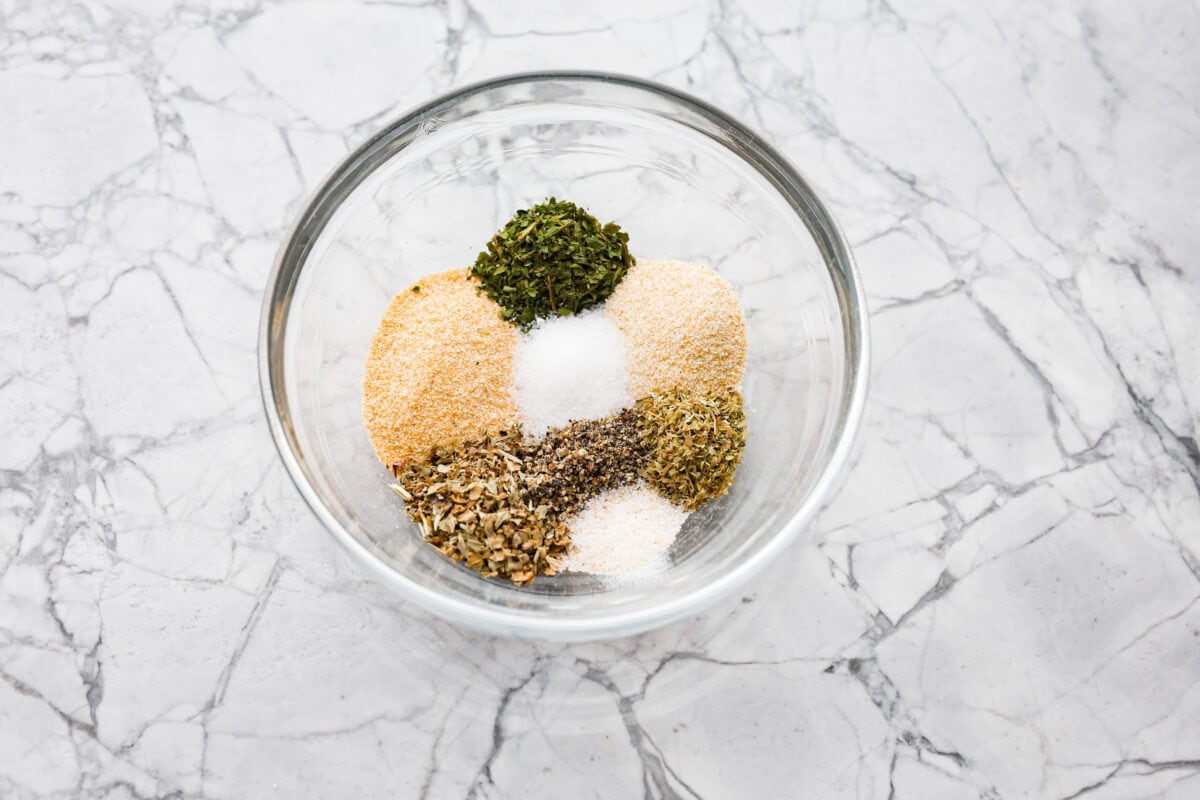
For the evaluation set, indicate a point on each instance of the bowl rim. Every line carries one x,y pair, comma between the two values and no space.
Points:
493,619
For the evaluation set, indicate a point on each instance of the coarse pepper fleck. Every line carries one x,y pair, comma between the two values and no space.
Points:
498,502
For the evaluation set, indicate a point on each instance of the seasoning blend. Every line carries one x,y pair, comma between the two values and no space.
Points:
497,503
559,406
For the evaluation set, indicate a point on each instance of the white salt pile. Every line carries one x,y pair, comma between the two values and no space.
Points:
623,532
570,368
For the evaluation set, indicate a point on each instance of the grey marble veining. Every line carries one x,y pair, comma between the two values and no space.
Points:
1003,601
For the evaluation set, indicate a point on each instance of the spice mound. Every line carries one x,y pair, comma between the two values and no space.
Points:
559,407
625,531
695,443
570,368
570,465
471,505
552,259
684,326
438,369
496,503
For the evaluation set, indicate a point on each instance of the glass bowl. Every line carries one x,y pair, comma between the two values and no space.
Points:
686,182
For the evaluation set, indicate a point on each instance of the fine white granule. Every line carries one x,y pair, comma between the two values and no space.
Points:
570,368
623,532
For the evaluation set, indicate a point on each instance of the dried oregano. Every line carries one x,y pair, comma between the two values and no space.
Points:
553,258
470,504
695,443
497,503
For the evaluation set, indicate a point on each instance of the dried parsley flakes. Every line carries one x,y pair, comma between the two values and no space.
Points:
553,258
695,443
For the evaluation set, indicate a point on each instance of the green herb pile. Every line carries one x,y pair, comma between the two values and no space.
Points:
552,259
695,443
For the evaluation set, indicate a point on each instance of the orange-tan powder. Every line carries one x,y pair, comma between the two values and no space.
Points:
439,369
683,325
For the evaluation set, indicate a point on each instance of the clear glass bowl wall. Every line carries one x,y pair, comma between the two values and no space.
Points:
425,195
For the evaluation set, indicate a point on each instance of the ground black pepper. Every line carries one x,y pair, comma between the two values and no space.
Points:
497,503
571,465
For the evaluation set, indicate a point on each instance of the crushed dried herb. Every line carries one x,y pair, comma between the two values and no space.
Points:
497,503
552,259
470,504
695,443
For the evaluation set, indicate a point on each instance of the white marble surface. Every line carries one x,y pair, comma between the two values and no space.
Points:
1002,602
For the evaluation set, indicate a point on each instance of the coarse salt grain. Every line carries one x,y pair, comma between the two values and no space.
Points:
570,368
623,532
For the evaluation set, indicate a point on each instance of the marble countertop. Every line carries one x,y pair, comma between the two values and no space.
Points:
1003,601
